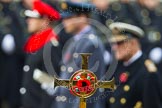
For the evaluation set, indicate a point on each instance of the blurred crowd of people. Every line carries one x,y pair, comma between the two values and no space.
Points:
15,45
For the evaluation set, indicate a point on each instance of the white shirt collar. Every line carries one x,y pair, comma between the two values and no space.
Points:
134,58
83,31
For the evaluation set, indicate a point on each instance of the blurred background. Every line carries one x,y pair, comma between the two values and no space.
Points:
146,14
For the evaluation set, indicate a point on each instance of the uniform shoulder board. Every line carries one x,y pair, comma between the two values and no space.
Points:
150,66
54,42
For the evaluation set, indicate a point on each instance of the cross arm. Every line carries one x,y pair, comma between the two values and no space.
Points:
106,84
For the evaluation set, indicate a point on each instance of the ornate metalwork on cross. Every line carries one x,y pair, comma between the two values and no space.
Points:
84,83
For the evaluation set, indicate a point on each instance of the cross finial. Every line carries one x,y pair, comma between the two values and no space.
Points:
85,57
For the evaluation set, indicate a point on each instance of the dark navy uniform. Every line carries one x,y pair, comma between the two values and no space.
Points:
33,95
85,41
137,88
150,21
137,79
11,54
43,52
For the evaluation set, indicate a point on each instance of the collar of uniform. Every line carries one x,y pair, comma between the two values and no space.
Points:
36,41
133,59
83,31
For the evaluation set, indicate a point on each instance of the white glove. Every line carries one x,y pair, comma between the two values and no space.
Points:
8,44
45,80
156,55
48,88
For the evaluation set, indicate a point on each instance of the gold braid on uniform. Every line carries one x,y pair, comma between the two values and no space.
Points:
150,66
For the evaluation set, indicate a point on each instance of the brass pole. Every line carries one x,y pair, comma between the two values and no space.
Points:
85,57
82,103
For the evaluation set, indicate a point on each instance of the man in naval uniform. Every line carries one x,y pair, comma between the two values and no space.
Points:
42,37
137,77
147,14
84,40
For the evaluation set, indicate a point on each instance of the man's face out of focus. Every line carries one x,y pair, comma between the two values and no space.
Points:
35,24
72,24
122,50
151,4
28,3
101,4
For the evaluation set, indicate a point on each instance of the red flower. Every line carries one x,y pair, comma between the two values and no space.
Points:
123,77
83,83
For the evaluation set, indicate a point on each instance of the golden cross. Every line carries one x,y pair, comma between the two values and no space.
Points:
83,83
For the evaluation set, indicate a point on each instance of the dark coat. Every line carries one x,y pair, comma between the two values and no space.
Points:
46,59
137,86
11,63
